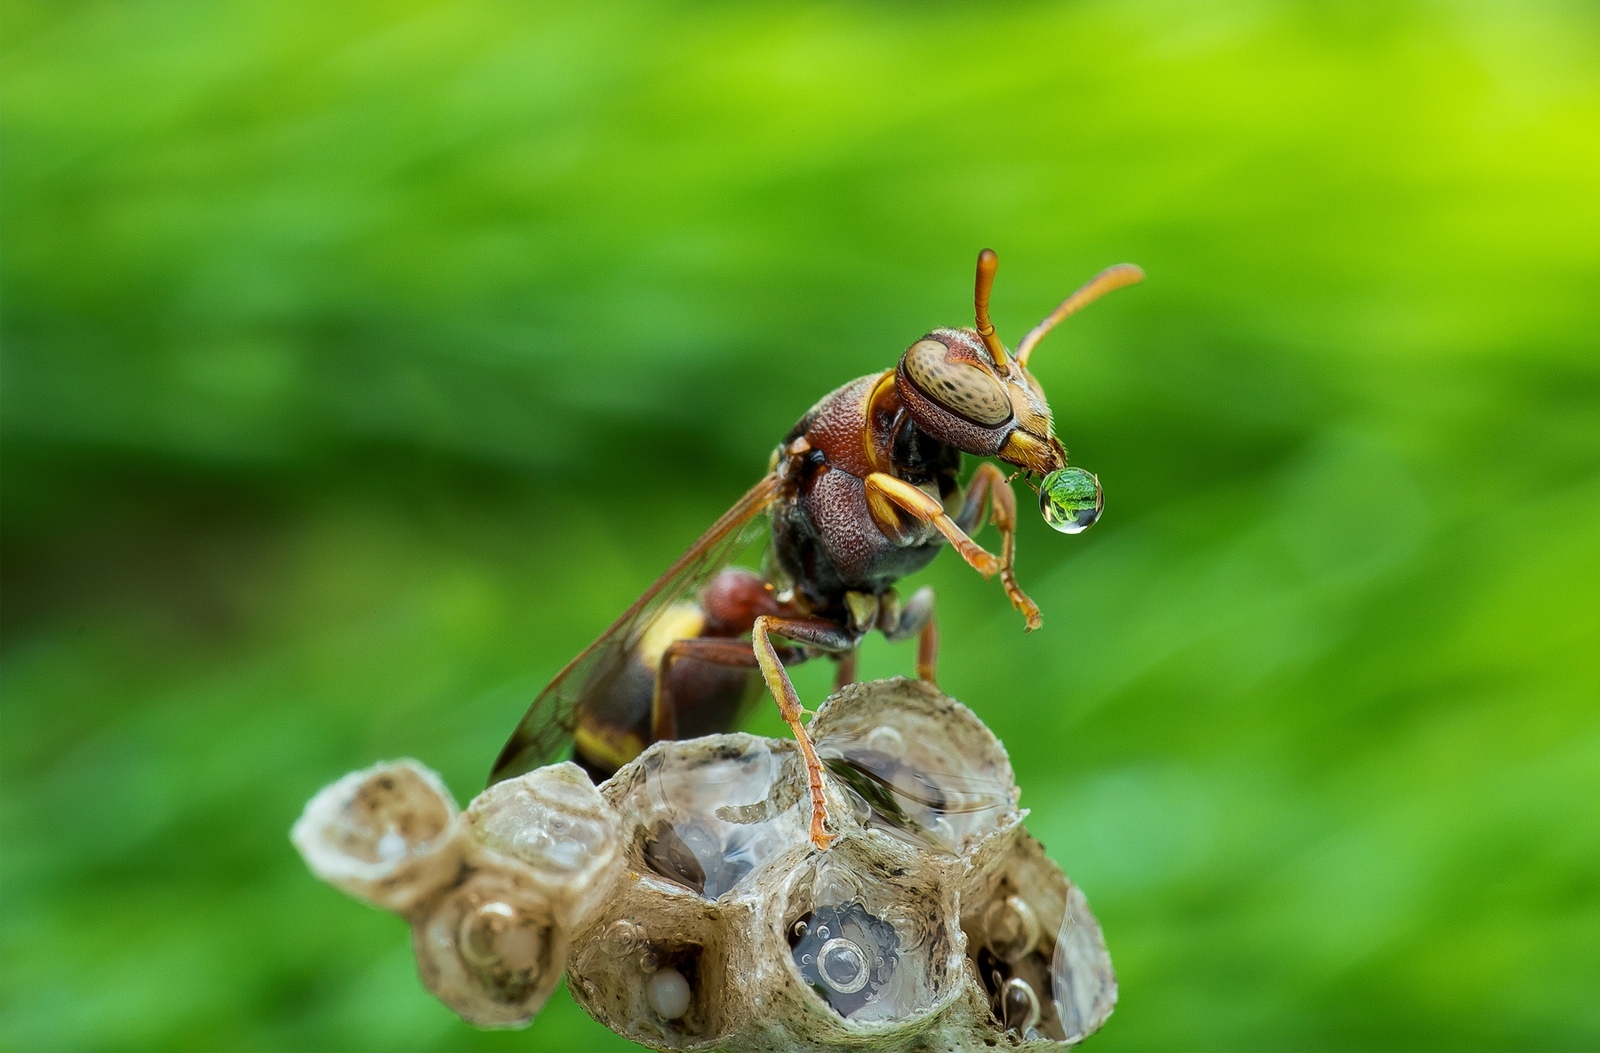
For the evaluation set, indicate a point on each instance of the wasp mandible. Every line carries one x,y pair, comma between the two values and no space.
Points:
862,491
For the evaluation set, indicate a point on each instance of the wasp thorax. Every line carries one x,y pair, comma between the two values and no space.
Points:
691,911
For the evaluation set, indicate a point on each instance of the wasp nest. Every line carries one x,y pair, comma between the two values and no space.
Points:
691,911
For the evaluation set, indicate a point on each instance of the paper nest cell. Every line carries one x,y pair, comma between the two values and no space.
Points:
689,910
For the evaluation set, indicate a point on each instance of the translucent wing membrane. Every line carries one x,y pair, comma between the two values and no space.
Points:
546,730
916,780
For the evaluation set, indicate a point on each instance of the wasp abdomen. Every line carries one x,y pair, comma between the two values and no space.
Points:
625,712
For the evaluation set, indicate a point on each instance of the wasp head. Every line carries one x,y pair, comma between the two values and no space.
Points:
963,388
959,394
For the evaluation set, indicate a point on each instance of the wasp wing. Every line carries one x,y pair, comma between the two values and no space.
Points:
546,729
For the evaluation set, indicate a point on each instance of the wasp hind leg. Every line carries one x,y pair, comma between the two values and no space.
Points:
814,632
917,619
674,695
845,673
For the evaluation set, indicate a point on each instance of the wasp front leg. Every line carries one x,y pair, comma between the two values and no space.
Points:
887,496
885,493
814,632
989,491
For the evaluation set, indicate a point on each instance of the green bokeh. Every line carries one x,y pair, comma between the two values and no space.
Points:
362,360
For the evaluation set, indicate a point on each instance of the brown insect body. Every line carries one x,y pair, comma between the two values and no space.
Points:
622,715
823,534
863,491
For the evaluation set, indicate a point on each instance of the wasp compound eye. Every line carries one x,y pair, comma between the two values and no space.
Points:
1070,500
958,386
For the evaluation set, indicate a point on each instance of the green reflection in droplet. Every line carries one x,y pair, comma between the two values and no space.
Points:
1070,500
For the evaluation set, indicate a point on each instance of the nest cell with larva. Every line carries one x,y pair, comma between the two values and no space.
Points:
688,908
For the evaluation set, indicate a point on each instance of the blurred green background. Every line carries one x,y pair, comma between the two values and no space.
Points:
362,361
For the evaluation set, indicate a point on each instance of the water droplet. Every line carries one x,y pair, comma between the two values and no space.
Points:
624,936
715,821
886,739
1011,928
668,993
495,940
1070,499
1019,1006
843,966
925,795
849,964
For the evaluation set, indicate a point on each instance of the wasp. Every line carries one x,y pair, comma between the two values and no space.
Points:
863,490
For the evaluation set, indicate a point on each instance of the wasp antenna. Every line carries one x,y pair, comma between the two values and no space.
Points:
988,263
1114,277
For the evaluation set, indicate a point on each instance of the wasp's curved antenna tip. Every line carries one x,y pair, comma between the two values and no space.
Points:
1132,274
988,263
1114,277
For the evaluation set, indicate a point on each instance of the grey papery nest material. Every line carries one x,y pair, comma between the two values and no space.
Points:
690,910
